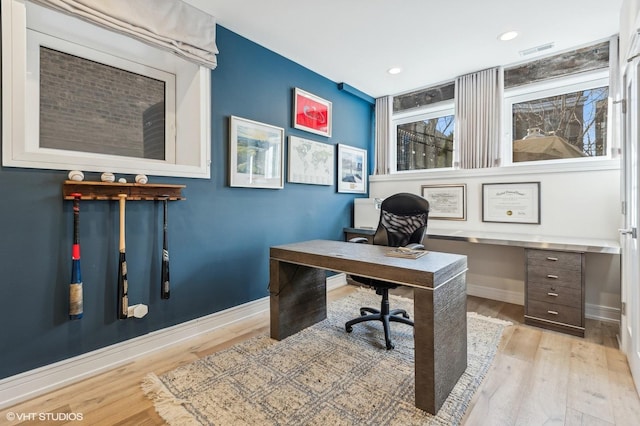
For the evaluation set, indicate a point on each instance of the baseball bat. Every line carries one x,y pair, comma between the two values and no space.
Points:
164,285
75,287
123,285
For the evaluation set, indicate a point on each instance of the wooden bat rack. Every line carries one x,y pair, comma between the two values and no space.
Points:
111,190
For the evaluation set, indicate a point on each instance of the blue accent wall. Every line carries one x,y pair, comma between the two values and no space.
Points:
219,238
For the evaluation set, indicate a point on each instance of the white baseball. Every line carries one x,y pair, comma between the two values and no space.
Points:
141,179
122,180
107,177
76,175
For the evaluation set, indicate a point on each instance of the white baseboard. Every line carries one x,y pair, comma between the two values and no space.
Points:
32,383
602,313
515,297
335,281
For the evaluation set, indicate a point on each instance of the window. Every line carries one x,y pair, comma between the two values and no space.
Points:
424,139
555,109
77,96
559,120
123,111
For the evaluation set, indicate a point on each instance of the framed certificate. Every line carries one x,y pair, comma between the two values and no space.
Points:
446,202
511,202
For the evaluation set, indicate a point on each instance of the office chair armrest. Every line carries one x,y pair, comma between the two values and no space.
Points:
414,246
358,240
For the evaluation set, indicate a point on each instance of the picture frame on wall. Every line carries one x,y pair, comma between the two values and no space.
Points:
311,113
256,154
517,202
446,201
352,169
310,162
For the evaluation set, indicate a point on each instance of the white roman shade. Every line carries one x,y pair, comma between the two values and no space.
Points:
168,24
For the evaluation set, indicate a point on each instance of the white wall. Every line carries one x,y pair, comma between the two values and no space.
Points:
629,16
576,200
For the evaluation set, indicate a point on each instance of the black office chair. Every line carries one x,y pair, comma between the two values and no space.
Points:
403,223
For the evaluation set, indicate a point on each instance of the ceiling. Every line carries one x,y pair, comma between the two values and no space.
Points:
357,41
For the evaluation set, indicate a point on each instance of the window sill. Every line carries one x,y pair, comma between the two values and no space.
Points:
511,170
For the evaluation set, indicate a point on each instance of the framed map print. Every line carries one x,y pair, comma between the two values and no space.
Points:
310,162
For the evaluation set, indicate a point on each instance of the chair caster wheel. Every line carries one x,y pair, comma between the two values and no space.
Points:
390,346
406,315
349,329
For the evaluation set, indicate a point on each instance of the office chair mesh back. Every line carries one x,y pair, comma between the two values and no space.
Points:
403,221
401,228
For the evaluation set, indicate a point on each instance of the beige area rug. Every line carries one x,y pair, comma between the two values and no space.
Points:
320,376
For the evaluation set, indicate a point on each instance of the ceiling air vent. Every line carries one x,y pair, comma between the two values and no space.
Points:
536,49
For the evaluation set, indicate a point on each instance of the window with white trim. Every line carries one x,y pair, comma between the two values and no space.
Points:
423,138
563,119
556,109
179,114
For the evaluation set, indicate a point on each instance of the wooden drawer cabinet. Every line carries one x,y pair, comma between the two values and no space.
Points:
565,296
555,259
554,277
554,293
553,312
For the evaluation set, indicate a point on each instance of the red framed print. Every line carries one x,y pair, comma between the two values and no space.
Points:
311,113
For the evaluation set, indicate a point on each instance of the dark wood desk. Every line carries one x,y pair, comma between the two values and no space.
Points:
298,300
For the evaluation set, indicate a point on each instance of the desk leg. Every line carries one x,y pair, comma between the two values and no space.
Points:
440,318
298,297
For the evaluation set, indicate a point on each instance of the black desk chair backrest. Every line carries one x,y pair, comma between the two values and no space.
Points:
403,221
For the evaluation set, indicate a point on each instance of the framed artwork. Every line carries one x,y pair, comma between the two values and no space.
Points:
511,202
256,154
448,202
311,113
310,162
352,169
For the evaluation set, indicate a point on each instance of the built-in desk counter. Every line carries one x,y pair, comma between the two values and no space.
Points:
554,271
546,242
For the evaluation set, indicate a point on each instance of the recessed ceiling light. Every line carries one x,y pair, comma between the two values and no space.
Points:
509,35
394,70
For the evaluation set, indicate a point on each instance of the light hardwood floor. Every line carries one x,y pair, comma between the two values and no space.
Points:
538,377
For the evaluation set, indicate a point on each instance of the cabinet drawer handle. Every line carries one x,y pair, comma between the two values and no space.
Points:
553,277
552,294
552,312
553,259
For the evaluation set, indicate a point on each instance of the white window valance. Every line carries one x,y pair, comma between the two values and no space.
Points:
169,24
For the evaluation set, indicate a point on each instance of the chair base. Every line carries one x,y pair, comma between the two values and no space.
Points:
383,315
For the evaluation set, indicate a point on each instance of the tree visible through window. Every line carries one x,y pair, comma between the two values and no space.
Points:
425,144
569,125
